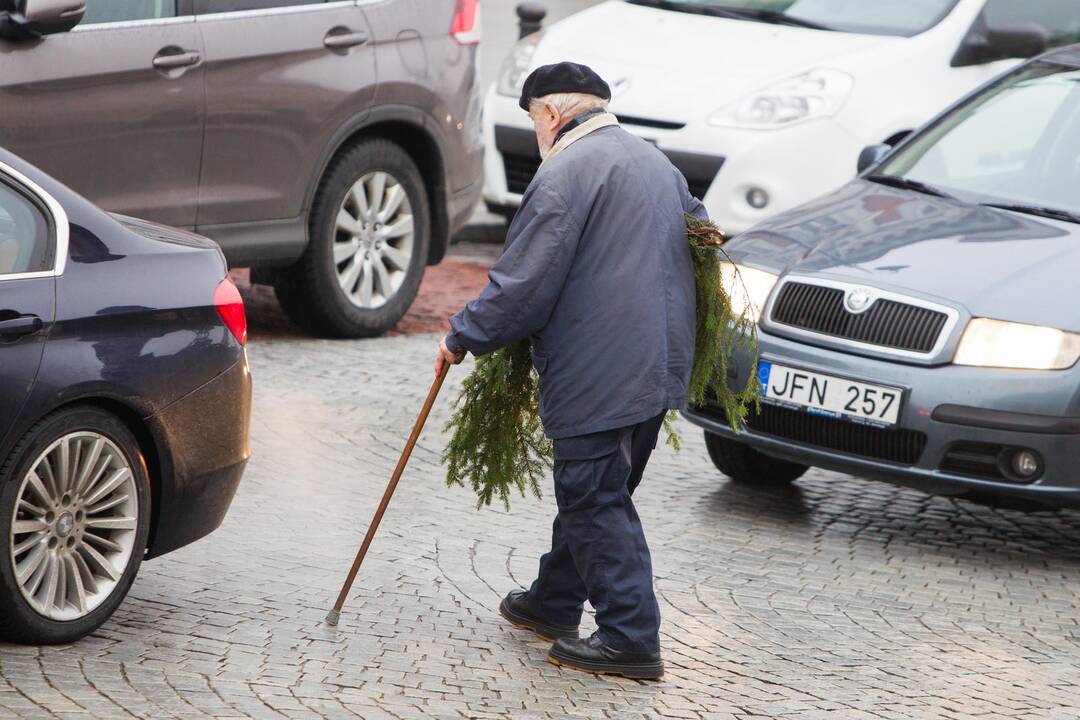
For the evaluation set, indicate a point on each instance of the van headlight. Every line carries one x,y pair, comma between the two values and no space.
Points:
515,67
999,344
817,93
747,287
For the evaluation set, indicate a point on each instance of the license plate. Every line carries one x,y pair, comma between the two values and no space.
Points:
829,395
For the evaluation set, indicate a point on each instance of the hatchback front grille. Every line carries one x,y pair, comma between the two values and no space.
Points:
519,171
521,168
888,323
521,158
895,445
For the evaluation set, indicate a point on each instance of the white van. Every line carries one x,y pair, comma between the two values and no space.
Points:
765,104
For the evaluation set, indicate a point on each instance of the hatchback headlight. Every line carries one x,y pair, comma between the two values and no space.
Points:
998,344
816,93
512,74
747,287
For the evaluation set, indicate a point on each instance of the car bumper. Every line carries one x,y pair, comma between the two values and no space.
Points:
203,450
722,165
957,419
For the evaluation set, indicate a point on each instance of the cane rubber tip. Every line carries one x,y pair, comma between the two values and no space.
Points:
332,618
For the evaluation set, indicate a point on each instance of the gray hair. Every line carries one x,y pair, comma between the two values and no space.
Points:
569,105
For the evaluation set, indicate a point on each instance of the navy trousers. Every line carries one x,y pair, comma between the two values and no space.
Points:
598,550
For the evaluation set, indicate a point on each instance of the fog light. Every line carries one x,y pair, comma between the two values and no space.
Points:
757,198
1025,463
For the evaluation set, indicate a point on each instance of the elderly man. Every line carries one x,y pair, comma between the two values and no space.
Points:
596,271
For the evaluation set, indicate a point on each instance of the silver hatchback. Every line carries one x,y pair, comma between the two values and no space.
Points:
921,325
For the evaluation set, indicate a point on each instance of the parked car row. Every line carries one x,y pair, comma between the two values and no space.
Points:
916,323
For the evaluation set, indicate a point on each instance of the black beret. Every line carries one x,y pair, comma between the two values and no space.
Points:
564,77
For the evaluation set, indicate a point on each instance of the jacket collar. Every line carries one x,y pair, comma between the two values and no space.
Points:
566,138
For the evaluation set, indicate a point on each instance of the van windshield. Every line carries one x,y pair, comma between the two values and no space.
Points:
875,17
1017,143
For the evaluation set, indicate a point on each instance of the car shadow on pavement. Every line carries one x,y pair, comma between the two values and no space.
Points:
839,507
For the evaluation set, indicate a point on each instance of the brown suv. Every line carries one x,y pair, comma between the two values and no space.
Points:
332,146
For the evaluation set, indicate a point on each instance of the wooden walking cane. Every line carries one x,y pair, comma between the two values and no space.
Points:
334,615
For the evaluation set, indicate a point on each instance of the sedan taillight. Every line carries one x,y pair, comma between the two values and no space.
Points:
230,307
466,24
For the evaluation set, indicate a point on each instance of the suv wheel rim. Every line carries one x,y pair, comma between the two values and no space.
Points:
74,526
373,240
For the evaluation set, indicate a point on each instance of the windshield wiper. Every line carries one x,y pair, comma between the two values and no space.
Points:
769,16
1046,212
909,184
777,17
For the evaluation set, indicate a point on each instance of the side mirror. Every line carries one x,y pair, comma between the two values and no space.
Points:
1017,41
34,18
985,44
870,156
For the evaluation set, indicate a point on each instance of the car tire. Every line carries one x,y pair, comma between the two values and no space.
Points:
360,253
73,527
744,464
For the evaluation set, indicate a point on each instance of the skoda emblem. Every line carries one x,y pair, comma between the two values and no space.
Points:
858,299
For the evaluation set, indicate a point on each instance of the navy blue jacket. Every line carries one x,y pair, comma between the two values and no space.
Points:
597,271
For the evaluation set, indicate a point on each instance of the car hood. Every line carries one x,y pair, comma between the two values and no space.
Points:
683,66
993,263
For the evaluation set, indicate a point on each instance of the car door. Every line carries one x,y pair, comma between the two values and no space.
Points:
281,79
32,237
113,108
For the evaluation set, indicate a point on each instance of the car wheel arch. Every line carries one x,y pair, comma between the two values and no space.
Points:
153,450
413,130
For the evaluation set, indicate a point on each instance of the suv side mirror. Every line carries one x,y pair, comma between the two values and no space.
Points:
870,156
34,18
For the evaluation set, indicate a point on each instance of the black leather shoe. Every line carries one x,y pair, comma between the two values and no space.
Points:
591,654
515,608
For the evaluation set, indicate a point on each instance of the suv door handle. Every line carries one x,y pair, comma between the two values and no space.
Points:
21,325
172,61
342,38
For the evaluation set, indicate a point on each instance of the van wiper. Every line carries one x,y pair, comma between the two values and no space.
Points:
909,184
769,16
1046,212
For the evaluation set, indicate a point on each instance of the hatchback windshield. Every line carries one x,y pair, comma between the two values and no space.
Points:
877,17
1017,142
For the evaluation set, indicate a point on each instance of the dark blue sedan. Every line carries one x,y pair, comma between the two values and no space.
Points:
124,402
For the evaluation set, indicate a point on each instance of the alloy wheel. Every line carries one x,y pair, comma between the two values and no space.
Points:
373,240
74,526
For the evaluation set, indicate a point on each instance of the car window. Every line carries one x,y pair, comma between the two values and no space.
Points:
207,7
876,17
24,233
1017,141
105,11
1059,18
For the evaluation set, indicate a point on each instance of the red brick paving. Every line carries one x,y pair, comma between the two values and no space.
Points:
445,289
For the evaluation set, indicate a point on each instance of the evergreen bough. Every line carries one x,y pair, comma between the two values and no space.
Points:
497,441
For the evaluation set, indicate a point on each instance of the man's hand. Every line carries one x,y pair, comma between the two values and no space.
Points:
445,358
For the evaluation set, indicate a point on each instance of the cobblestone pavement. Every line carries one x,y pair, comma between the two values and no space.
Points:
835,598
